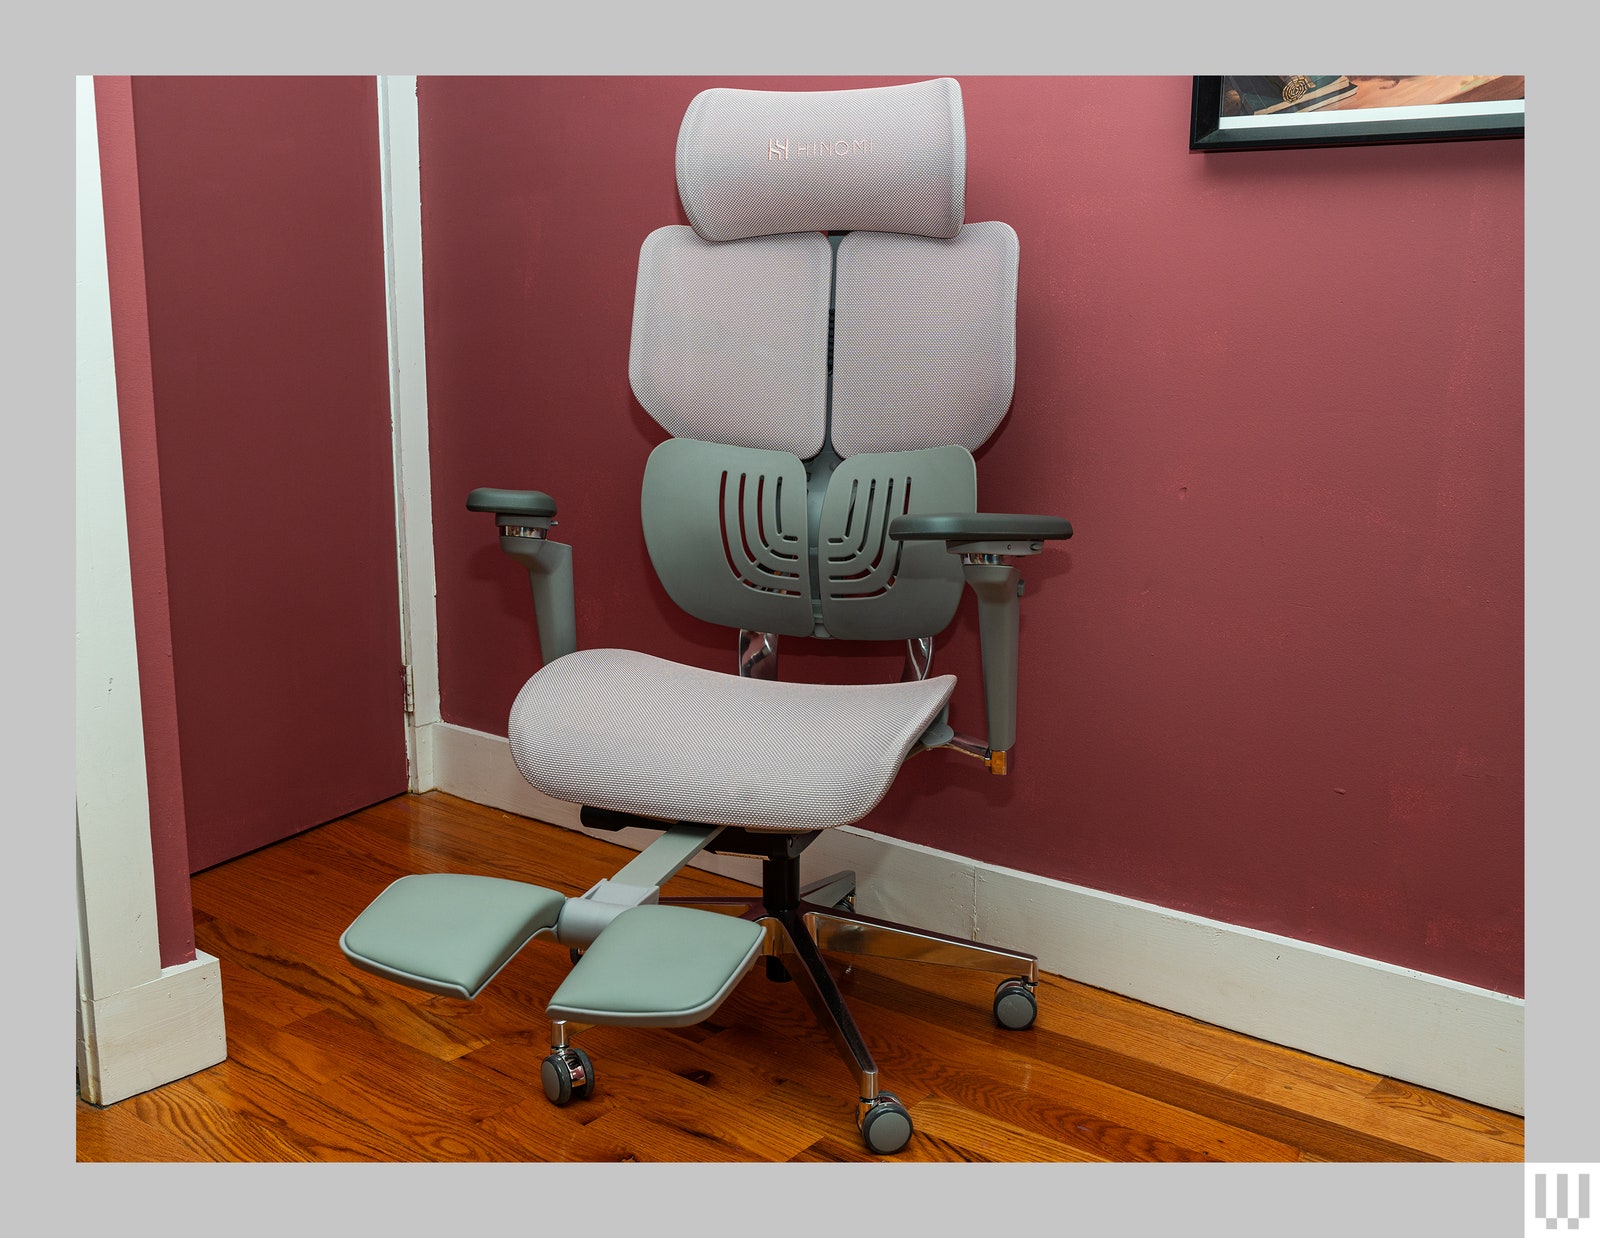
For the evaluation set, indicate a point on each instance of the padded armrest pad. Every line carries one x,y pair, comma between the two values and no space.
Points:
978,527
511,502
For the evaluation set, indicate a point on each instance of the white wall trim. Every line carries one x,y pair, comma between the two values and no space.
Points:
139,1038
139,1024
400,157
1372,1015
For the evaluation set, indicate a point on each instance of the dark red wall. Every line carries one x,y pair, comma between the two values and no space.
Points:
265,414
1276,679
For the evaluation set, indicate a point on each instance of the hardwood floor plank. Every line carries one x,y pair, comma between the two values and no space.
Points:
245,991
234,1113
285,1051
1237,1102
117,1134
1440,1110
1119,1120
337,985
981,1136
330,1063
1401,1121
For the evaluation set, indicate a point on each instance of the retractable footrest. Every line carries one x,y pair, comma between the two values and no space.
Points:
449,933
656,966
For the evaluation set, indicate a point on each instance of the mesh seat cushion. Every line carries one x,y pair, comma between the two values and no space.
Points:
625,731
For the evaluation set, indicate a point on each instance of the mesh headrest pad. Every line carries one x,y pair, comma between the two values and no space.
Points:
877,159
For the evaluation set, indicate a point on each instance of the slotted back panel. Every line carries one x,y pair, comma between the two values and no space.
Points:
874,587
726,531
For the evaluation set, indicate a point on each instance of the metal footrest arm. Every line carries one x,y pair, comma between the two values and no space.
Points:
636,884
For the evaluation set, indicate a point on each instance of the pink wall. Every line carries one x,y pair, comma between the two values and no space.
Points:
1276,678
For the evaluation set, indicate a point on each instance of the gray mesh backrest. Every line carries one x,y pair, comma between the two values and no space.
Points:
883,159
924,339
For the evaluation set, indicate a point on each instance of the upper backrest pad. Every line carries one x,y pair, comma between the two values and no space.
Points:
876,159
730,341
925,331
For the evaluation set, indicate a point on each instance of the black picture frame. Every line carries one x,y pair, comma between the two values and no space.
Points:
1207,131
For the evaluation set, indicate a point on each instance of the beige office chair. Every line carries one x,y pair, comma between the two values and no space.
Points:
826,345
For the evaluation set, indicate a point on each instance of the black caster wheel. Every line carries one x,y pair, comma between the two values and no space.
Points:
567,1073
1014,1005
886,1125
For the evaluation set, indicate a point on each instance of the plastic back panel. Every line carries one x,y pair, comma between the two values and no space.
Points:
726,531
871,586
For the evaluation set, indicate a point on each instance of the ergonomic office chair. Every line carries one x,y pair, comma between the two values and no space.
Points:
826,345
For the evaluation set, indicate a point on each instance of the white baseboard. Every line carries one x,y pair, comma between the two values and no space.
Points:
151,1034
1372,1015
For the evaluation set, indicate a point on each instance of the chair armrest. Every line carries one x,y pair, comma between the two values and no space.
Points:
986,541
510,503
524,519
960,529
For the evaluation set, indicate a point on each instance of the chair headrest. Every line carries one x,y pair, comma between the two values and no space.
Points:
876,159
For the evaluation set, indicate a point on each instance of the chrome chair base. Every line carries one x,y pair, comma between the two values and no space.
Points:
823,918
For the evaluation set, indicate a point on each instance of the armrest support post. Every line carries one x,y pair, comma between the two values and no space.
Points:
549,567
986,542
998,587
524,519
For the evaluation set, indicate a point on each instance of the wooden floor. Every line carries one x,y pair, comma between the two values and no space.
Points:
327,1063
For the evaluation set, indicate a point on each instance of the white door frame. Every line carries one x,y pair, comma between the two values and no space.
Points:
139,1024
400,155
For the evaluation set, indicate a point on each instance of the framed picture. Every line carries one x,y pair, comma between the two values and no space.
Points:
1264,113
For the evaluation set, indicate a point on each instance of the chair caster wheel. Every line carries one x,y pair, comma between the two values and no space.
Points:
886,1125
567,1073
1014,1004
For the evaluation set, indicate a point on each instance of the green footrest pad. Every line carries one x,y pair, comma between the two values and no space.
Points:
658,967
449,933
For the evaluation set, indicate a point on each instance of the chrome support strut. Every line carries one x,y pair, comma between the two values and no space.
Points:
758,654
919,659
788,937
855,933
